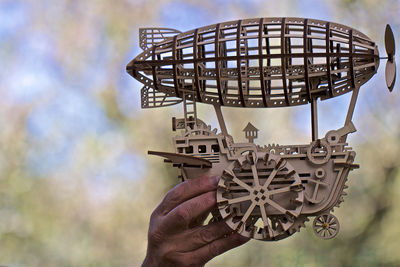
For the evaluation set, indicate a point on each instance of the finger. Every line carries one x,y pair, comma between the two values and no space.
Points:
217,247
196,222
201,236
208,217
188,212
186,190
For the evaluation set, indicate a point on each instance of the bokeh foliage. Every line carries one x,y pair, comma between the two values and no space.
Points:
76,185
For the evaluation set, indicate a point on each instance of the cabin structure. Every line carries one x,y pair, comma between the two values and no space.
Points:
251,132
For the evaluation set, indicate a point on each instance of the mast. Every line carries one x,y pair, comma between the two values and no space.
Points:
189,110
221,119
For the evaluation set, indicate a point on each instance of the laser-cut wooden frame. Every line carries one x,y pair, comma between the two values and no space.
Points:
265,192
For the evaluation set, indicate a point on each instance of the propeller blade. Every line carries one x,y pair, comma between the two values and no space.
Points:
389,42
390,74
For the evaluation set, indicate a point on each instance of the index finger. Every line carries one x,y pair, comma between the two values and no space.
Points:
186,190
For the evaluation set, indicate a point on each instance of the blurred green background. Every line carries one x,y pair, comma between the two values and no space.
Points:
76,185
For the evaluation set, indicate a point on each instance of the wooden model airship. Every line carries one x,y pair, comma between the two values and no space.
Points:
265,192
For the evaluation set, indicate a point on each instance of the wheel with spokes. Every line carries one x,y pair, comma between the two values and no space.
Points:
326,226
260,196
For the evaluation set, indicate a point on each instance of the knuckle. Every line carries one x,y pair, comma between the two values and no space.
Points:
213,250
203,182
182,215
176,194
155,236
206,202
206,236
211,199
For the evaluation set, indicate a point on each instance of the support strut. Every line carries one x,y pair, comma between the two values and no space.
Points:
314,119
220,119
350,112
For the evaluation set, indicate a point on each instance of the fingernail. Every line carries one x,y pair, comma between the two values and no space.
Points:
215,180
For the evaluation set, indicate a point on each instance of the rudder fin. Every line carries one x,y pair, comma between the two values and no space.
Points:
150,36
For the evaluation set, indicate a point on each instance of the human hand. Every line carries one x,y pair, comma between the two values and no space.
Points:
177,236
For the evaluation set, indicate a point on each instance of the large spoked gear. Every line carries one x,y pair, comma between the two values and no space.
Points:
261,196
297,225
326,226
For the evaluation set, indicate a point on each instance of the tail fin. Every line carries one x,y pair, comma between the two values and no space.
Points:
150,36
154,99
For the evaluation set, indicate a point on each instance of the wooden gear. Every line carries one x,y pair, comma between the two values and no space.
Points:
265,192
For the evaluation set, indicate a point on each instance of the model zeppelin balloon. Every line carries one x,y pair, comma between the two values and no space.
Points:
266,192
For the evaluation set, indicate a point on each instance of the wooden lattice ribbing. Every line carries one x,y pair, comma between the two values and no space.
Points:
268,62
148,37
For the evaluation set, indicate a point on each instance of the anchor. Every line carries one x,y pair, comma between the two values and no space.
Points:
320,174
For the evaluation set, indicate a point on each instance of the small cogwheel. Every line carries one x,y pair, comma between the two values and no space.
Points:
326,226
